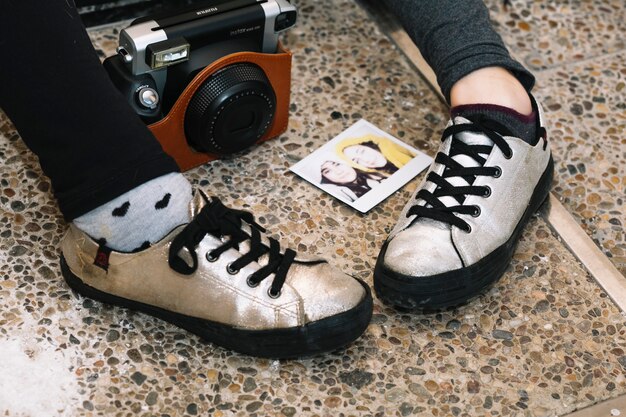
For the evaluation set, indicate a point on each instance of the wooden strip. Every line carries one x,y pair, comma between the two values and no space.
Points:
610,408
587,252
406,45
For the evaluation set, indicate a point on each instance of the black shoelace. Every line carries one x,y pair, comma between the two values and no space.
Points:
219,221
434,208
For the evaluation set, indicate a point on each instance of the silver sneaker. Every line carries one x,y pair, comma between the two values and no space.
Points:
457,234
221,278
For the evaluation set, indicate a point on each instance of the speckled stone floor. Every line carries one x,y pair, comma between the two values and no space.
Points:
545,35
544,341
577,51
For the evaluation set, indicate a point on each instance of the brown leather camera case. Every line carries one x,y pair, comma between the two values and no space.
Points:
170,130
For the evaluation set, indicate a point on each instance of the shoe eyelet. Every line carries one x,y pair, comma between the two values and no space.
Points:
510,155
211,258
467,229
250,283
272,295
476,212
487,192
498,172
231,270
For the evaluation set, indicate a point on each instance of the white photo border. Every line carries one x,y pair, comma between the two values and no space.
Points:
378,193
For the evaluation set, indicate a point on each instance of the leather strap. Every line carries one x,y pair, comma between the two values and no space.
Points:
170,131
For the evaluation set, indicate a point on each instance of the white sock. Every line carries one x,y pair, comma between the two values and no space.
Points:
142,216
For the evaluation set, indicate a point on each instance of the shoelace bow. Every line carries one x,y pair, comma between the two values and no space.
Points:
434,208
219,220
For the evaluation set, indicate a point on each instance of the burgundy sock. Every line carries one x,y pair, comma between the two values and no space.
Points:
522,126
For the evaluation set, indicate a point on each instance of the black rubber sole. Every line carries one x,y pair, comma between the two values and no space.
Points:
311,339
454,288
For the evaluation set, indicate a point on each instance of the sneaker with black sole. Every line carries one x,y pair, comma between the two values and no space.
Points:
458,233
221,278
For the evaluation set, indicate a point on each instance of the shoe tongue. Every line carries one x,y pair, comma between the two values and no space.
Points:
245,246
469,138
198,201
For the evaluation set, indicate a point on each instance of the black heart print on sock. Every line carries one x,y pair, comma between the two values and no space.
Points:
121,210
162,203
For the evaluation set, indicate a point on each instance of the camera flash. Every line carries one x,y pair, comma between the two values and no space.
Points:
166,53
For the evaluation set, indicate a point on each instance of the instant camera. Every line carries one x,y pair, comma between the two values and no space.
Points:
209,80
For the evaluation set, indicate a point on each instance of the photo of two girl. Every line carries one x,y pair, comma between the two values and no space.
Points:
359,161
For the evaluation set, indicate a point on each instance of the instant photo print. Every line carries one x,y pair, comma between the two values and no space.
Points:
362,166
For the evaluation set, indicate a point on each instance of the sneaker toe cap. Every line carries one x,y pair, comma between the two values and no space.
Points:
422,251
325,290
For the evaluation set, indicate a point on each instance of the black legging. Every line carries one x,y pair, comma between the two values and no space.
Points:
93,146
53,88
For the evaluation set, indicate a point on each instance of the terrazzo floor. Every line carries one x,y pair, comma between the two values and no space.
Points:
546,340
577,50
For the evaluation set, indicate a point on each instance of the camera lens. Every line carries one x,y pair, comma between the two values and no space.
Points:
231,110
